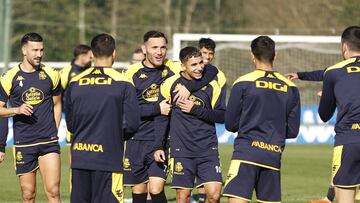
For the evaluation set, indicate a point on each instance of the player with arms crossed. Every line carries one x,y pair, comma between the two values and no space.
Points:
339,91
97,101
264,109
33,91
193,140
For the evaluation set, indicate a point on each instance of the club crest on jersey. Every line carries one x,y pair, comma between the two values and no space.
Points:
151,94
42,75
164,73
33,96
197,101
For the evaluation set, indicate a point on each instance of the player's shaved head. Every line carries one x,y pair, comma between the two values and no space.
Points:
103,45
351,36
263,48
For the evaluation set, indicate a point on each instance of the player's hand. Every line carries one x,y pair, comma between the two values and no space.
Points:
181,93
159,156
165,108
292,76
25,109
319,94
2,157
185,105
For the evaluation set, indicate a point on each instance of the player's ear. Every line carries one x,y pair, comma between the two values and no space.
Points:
114,54
275,56
252,57
23,50
143,48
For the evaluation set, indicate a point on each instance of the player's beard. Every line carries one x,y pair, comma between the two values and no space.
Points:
34,64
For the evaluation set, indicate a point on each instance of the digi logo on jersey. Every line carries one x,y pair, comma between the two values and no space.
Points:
151,94
95,81
33,96
197,101
271,85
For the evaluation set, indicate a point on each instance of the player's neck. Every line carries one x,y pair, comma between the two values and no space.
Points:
186,76
353,54
27,67
103,62
263,66
78,63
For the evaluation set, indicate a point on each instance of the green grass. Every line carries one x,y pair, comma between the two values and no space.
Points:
305,174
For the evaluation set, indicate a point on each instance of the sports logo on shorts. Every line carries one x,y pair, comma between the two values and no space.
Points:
127,164
19,156
33,96
42,75
178,168
151,94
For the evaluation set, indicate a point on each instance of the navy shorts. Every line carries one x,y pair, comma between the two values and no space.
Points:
96,186
243,178
27,157
204,169
346,166
139,163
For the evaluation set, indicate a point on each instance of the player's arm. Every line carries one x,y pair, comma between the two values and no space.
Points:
57,109
210,72
68,109
327,104
131,110
317,75
3,137
293,117
215,115
25,109
234,108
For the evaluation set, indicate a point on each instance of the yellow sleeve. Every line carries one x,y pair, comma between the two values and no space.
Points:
6,80
54,76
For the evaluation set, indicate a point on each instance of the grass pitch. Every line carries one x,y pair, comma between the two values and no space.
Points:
305,174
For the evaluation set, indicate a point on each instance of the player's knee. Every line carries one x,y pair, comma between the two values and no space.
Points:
53,192
213,197
155,190
182,196
28,195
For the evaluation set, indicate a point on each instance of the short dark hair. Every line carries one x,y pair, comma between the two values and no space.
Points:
263,48
31,36
207,43
138,51
81,49
103,45
351,36
154,34
188,52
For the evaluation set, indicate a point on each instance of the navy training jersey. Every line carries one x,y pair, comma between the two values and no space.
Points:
37,89
101,107
341,90
66,74
264,108
147,82
193,134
